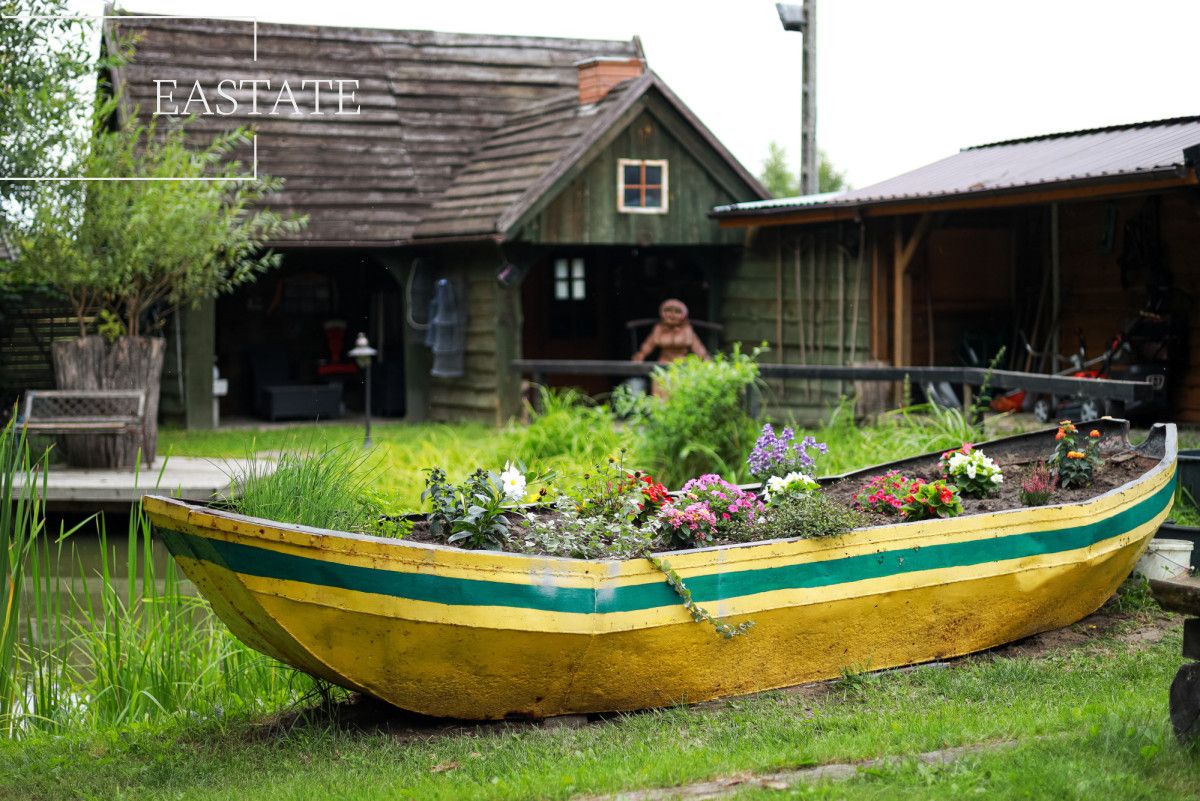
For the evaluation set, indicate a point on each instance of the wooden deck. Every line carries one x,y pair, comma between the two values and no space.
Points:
73,489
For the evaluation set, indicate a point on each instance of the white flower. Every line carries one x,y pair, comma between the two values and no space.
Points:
513,481
997,478
792,483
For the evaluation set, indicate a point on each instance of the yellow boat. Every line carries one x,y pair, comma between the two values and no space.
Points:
491,635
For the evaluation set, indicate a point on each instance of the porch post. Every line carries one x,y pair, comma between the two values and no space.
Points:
198,328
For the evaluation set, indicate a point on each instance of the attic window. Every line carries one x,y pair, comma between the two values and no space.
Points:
642,186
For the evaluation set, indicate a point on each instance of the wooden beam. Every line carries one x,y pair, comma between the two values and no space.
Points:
879,301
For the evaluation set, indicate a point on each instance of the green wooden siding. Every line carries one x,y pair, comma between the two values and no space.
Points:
585,210
484,391
826,322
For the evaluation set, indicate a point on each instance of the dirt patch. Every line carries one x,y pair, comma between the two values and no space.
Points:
1108,476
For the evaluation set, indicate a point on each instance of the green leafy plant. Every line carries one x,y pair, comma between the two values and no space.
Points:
701,426
566,423
1038,488
931,500
474,514
1074,465
974,474
808,515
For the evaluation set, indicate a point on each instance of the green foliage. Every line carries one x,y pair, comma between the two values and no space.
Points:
129,246
328,488
932,500
46,62
1134,595
570,531
702,425
470,515
1073,464
808,516
1185,512
698,613
567,424
783,181
21,524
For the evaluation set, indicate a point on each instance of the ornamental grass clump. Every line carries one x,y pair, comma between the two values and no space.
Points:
1038,488
931,500
779,455
1074,464
975,474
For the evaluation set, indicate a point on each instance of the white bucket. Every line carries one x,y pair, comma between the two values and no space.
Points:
1165,559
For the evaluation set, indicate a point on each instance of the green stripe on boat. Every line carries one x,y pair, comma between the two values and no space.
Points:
713,587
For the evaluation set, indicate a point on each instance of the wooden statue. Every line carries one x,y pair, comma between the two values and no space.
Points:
672,335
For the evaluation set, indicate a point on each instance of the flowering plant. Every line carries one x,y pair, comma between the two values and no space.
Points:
779,487
707,505
472,514
885,493
973,473
779,455
1074,464
935,499
1039,487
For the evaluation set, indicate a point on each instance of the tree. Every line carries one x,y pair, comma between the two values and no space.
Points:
781,181
45,64
126,247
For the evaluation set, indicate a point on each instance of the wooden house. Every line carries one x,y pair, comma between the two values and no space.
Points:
557,186
1050,240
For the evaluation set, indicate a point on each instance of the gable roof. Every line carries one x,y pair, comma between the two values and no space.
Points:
1113,159
455,130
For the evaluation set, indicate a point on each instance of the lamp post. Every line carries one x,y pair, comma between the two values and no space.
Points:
362,353
804,19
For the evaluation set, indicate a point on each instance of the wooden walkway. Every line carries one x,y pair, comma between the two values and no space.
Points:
74,489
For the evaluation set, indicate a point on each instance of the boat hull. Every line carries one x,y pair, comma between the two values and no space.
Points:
489,635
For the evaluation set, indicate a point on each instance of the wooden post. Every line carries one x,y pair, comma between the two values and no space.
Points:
1055,295
902,289
199,330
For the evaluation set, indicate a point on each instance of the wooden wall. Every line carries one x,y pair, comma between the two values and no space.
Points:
1093,298
808,296
585,211
487,391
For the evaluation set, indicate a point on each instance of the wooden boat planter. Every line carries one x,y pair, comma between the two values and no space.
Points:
490,635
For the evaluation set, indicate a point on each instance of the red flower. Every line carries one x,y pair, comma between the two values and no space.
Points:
946,495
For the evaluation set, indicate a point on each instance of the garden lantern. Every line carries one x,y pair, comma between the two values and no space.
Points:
362,353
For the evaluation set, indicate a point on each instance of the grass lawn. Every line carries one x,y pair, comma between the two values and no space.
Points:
1085,713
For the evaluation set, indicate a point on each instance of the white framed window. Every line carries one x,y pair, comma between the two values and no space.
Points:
570,279
642,186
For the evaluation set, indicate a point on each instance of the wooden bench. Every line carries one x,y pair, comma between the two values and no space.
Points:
85,411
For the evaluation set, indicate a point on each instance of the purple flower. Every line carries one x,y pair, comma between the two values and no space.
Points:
782,454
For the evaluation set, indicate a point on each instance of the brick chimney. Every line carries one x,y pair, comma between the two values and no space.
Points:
598,75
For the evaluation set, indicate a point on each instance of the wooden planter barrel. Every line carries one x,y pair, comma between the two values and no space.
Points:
128,363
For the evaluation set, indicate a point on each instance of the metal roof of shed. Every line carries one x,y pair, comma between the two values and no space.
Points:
1145,150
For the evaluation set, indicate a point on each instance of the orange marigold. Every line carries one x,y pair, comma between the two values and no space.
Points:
1093,433
1060,434
1076,455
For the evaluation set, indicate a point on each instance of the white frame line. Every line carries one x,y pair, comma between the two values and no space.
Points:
254,54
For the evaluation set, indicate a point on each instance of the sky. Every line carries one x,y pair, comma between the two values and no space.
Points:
900,83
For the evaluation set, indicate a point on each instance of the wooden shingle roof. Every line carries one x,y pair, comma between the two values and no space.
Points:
431,104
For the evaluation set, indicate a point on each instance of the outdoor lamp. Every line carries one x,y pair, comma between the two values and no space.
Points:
792,16
362,353
803,19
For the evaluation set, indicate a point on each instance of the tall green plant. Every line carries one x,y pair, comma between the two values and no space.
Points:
567,423
21,522
701,426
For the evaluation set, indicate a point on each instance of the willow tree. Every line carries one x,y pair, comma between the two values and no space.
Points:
163,224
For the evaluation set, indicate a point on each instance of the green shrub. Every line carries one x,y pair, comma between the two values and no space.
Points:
807,516
702,425
932,500
567,424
